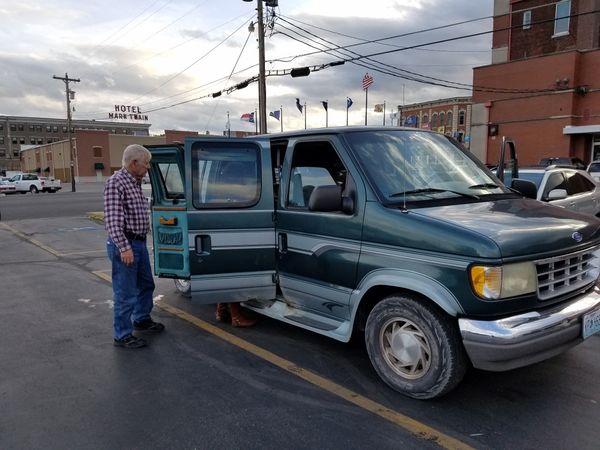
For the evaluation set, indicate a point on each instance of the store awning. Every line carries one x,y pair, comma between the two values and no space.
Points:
585,129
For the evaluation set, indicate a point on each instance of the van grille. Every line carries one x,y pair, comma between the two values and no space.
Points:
567,273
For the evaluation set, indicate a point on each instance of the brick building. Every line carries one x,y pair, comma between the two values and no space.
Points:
451,116
17,132
542,87
98,154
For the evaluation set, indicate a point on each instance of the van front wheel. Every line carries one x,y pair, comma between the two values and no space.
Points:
414,347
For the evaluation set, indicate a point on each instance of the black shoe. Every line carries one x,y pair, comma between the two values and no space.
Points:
148,325
130,342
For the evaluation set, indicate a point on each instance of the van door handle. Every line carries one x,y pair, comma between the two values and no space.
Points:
282,245
203,245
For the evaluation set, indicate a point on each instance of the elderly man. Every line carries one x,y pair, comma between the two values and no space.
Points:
126,221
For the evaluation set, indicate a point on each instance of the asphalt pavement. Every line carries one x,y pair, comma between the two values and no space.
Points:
207,385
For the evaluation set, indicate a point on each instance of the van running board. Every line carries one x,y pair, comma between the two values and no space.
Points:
340,330
312,322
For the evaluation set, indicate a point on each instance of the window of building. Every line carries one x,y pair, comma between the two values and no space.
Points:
55,129
97,152
13,127
49,140
48,128
527,20
1,127
449,119
461,117
1,139
442,119
14,139
561,18
21,127
31,128
21,140
15,152
64,129
32,141
425,119
434,121
2,152
40,141
38,128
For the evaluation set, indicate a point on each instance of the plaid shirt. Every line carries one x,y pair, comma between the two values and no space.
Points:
125,208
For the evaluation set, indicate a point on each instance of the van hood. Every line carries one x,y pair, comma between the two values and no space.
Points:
511,223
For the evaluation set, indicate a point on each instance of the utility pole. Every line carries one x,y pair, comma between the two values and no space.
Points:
262,85
66,79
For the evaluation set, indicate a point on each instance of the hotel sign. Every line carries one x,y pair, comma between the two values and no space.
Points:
127,112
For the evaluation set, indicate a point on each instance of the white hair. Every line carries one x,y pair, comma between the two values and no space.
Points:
135,152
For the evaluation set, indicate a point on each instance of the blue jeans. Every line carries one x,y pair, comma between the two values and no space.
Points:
133,287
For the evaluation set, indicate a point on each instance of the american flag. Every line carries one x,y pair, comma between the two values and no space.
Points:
367,81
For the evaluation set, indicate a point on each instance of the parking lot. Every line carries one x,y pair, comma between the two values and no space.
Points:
203,384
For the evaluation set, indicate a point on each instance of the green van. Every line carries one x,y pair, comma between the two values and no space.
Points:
397,234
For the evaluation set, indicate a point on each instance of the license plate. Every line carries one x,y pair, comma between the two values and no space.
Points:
591,324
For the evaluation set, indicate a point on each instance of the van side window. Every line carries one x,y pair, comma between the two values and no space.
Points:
171,179
313,164
225,177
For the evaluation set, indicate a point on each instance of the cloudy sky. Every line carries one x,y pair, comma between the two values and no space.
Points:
168,56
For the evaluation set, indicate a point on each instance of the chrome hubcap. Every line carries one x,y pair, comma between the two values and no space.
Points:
182,285
405,348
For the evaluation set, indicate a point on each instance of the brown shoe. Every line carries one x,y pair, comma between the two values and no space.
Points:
222,313
237,319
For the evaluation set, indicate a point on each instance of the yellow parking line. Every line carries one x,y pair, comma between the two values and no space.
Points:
102,274
413,426
33,241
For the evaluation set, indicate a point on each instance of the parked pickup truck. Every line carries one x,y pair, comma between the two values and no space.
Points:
397,235
30,182
50,184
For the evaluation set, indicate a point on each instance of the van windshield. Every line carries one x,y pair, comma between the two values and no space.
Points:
415,166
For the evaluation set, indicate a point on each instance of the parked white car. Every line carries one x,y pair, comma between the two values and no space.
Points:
7,188
594,170
570,188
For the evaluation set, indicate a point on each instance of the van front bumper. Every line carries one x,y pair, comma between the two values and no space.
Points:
527,338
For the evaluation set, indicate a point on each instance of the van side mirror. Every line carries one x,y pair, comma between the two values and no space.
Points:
525,187
326,198
347,205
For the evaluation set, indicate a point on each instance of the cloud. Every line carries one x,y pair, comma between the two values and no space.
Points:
155,69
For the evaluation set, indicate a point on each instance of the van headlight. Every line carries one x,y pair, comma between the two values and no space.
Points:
510,280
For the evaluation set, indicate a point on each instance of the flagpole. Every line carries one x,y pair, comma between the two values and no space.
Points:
384,113
255,122
281,117
228,126
305,115
327,114
366,103
347,110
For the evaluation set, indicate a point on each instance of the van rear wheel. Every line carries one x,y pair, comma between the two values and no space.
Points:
33,189
184,287
414,347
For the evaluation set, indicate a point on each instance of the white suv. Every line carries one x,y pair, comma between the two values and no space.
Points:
568,187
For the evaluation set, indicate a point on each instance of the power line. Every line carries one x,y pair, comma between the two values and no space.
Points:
357,59
145,19
191,65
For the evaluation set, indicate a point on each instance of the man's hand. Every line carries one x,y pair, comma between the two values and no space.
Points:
127,257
